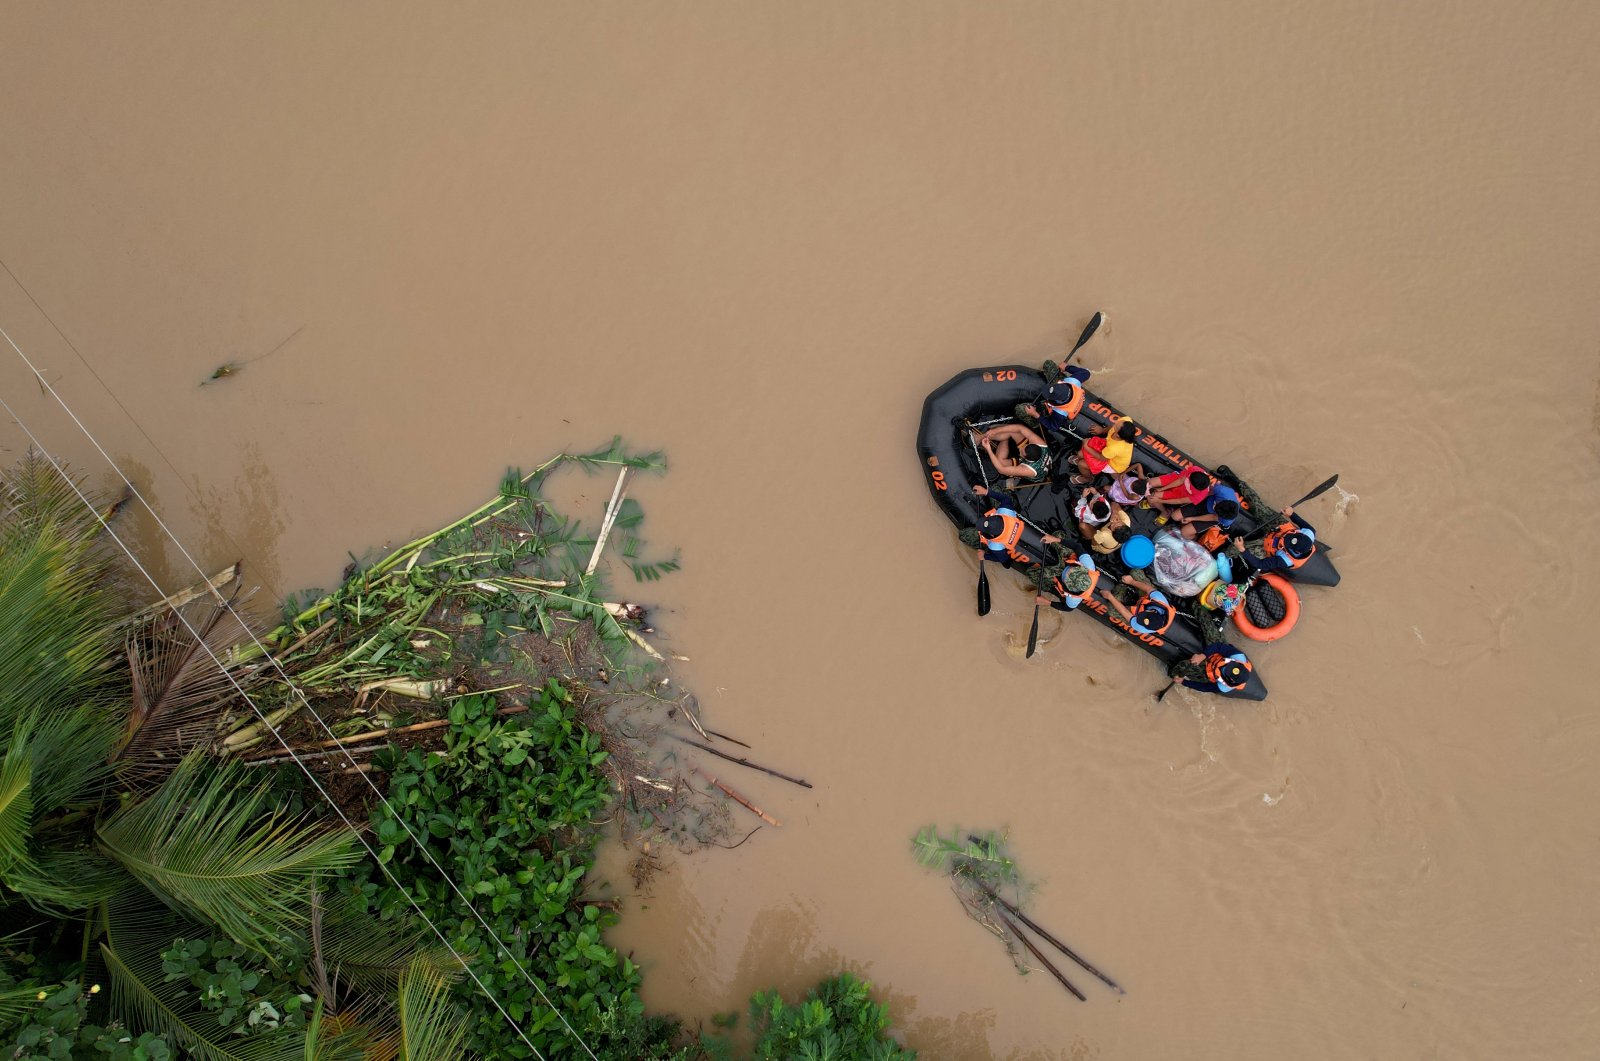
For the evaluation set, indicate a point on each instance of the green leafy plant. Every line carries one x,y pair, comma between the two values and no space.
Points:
837,1021
58,1029
507,811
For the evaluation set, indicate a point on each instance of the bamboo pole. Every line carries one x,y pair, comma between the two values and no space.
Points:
731,794
605,526
374,734
1037,953
1047,937
742,762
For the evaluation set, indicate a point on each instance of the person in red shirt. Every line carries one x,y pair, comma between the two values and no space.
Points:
1176,489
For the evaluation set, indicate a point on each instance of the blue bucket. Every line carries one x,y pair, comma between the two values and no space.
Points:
1138,551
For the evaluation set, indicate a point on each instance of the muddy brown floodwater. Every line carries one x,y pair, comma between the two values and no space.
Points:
1346,237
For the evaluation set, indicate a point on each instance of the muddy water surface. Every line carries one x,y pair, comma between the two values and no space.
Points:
1329,238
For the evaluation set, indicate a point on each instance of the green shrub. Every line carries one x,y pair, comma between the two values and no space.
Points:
56,1031
507,812
838,1021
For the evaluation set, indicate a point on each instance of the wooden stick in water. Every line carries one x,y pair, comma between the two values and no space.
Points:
1056,943
1026,942
731,794
742,762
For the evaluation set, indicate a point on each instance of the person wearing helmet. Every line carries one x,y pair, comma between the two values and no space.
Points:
1283,548
1073,585
1219,668
1152,613
999,529
1060,403
1016,450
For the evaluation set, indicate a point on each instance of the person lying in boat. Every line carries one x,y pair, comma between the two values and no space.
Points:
1220,668
1152,613
1176,489
1073,584
1131,487
1060,403
1016,450
1285,547
1000,529
1109,450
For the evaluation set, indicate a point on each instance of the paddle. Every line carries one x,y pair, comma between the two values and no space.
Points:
1088,330
1162,695
1033,632
1319,491
983,584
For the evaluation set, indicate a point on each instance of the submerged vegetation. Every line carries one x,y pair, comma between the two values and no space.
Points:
175,884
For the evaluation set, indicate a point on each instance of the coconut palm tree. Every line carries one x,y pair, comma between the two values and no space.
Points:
116,821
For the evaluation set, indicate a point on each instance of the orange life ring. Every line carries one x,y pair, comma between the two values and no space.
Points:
1291,611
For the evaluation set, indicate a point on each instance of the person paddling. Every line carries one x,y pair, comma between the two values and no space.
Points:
1285,547
1152,613
1000,529
1073,585
1220,668
1060,403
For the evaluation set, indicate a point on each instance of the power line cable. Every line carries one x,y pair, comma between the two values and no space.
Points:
297,691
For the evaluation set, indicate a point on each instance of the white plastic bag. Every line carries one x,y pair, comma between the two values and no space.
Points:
1183,568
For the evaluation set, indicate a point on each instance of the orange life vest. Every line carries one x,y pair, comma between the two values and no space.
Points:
1146,602
1009,535
1074,404
1074,599
1213,538
1216,661
1273,543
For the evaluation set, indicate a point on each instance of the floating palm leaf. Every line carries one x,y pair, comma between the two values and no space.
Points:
178,688
211,843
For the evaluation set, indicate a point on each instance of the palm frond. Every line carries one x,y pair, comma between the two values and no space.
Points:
16,1002
55,623
432,1025
63,881
16,800
331,1037
211,843
141,994
178,688
353,945
33,496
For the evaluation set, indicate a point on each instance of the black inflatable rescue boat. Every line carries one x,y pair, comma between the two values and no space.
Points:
952,465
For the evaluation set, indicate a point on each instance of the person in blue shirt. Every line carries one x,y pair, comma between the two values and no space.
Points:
1220,507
